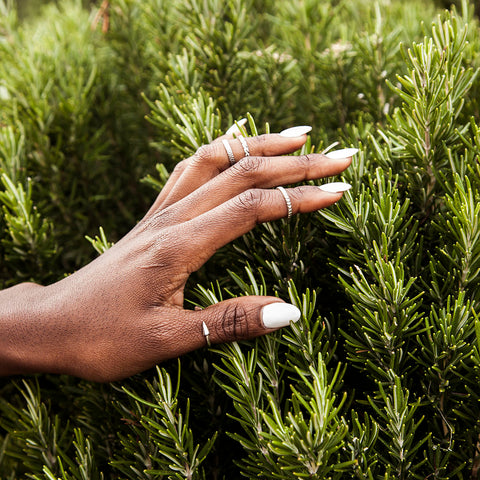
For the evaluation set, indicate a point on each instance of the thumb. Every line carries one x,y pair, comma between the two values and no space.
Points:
243,318
175,331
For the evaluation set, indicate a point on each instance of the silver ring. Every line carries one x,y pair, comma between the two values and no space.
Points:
244,145
206,334
287,201
228,148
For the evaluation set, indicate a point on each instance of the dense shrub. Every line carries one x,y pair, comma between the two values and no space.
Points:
380,377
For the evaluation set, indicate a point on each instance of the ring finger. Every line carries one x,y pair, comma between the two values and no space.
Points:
212,159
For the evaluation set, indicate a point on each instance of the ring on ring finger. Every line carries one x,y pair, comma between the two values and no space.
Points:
246,151
228,148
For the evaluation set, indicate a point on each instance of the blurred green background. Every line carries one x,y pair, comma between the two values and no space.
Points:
29,8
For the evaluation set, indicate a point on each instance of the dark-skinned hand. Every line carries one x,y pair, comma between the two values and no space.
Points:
123,313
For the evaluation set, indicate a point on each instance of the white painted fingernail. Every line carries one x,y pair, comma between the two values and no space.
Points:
295,131
234,128
279,314
343,153
335,187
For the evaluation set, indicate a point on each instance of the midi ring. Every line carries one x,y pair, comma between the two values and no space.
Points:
228,148
287,201
206,334
244,145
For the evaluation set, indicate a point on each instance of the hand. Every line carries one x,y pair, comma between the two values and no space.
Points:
123,313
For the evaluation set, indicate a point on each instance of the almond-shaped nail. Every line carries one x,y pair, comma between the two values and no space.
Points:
295,131
277,315
343,153
234,128
335,187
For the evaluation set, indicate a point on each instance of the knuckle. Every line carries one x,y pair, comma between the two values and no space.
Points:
180,167
161,219
261,142
204,153
296,195
304,162
299,192
233,324
246,166
250,200
209,155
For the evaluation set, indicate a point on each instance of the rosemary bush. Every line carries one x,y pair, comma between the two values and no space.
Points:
380,377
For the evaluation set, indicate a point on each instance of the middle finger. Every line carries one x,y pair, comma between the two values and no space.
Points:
256,172
212,159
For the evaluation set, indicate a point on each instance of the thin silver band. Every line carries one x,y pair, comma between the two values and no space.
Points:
287,201
206,334
244,145
228,148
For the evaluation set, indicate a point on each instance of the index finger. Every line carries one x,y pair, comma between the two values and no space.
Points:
223,224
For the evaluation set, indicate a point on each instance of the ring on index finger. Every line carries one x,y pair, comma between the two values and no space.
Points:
287,201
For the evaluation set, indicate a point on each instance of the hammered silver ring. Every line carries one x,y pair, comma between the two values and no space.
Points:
228,148
287,201
244,145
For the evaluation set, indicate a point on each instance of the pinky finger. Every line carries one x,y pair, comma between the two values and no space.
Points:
182,166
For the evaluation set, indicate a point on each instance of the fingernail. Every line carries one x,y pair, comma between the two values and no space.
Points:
343,153
335,187
234,128
279,314
295,131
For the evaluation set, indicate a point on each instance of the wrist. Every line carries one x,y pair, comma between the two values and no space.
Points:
26,324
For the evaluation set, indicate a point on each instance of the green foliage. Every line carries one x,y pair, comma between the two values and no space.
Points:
28,241
37,437
397,416
379,377
165,431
